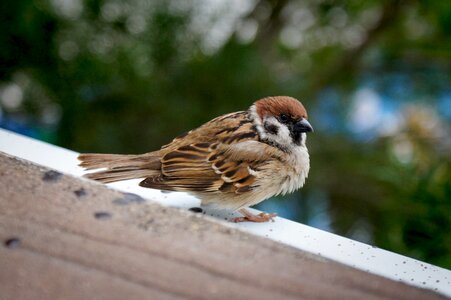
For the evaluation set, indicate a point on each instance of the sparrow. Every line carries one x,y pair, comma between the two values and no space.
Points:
233,161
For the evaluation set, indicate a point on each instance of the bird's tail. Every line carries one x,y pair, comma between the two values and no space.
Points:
117,167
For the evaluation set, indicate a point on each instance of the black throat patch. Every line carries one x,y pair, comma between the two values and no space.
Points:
296,136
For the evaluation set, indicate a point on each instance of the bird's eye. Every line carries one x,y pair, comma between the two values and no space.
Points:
284,118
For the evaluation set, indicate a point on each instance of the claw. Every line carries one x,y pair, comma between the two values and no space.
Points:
249,217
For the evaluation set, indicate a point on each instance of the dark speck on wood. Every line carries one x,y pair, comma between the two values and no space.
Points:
12,243
51,176
102,215
196,209
128,198
80,193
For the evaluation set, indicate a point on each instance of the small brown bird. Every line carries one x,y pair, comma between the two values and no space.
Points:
233,161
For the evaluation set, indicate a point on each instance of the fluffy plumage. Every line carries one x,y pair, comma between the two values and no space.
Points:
234,161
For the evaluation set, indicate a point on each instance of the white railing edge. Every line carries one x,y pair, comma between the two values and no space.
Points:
325,244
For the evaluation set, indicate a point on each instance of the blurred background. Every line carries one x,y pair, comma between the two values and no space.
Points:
127,76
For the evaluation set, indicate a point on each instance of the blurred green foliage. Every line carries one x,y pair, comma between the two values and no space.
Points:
127,76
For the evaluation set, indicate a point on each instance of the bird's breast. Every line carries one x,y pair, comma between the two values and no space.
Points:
296,171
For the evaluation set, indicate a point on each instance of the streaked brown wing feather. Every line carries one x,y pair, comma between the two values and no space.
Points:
208,165
215,130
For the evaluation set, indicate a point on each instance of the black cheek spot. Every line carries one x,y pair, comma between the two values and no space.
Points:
51,176
271,128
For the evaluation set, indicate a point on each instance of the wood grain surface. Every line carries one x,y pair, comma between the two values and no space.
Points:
69,238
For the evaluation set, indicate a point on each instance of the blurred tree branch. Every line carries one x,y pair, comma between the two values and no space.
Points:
269,29
348,61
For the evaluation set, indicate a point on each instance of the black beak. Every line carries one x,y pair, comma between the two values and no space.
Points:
303,126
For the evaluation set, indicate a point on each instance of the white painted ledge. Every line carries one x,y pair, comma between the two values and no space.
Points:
334,247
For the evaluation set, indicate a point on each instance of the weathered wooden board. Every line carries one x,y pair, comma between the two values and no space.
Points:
68,238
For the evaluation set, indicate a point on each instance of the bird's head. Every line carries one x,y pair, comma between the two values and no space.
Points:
281,121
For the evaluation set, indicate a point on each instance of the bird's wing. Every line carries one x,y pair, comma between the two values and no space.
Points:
223,158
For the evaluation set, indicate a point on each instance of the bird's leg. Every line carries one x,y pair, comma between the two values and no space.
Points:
249,217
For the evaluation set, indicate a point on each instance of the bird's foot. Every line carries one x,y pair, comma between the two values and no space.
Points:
249,217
